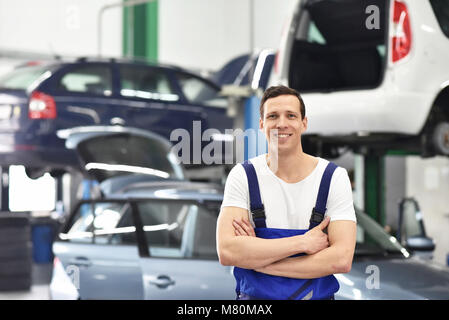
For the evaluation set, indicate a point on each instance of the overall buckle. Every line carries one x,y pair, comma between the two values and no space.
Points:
258,213
316,217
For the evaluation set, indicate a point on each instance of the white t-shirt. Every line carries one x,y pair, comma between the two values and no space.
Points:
289,205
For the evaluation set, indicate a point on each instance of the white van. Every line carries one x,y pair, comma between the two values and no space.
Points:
371,72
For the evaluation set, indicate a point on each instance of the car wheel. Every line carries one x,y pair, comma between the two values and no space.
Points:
15,283
15,235
440,138
35,173
15,252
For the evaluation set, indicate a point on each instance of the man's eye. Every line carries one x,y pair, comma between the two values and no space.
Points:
292,115
271,116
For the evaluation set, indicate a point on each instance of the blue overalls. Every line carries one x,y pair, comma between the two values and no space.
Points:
256,285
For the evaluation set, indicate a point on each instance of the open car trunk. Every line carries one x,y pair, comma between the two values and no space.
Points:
335,50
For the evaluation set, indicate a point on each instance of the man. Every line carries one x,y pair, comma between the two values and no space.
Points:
288,181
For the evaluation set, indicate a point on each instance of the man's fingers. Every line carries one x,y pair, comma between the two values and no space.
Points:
236,232
238,226
324,223
249,227
243,228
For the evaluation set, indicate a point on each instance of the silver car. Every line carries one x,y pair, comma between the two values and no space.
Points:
153,237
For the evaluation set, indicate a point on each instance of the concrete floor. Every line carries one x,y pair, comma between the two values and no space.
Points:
41,276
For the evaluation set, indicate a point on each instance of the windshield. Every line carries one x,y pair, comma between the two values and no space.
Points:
373,240
24,77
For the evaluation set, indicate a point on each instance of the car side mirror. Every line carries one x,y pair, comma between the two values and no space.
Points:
411,231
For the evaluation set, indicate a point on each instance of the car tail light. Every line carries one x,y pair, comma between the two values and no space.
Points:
32,63
56,261
402,33
41,106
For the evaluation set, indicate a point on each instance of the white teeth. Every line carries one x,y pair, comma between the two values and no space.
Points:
283,135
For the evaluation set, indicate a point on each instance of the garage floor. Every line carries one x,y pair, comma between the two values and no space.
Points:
41,276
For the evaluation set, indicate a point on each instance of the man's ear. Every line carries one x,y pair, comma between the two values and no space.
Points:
260,123
304,124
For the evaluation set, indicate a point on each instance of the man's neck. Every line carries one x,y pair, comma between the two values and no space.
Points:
291,167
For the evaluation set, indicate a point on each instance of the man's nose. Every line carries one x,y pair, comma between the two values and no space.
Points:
282,122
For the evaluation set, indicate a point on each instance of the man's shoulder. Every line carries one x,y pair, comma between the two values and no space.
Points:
257,161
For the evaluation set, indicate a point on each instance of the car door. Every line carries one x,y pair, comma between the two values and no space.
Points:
98,249
182,261
85,94
145,95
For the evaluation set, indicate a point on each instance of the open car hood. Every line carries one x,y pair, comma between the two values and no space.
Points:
110,151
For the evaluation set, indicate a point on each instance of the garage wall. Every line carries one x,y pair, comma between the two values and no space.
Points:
65,27
199,34
206,34
427,180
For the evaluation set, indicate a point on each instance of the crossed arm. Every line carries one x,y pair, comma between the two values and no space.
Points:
326,254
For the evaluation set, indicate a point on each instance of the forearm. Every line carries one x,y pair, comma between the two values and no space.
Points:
326,262
253,252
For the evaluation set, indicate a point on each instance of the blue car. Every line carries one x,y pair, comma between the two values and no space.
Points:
151,234
37,100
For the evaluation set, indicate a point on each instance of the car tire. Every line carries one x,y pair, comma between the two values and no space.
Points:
13,220
440,138
10,235
16,251
15,267
35,173
20,282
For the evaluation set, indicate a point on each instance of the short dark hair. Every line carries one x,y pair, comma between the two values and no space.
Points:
275,91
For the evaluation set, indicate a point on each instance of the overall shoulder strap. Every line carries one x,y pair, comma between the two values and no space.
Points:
256,206
323,192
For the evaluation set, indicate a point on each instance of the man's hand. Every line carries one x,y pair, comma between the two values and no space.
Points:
248,251
316,239
242,227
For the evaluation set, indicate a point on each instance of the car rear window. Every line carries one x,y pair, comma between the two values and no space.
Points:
90,79
198,91
330,49
146,83
24,77
441,10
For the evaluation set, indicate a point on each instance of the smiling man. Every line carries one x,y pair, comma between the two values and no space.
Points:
277,208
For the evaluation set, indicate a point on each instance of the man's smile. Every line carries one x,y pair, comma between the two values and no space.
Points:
283,135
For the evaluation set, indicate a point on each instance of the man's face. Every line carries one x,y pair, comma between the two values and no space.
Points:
282,123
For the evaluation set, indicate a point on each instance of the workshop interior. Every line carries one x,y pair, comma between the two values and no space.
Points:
120,121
